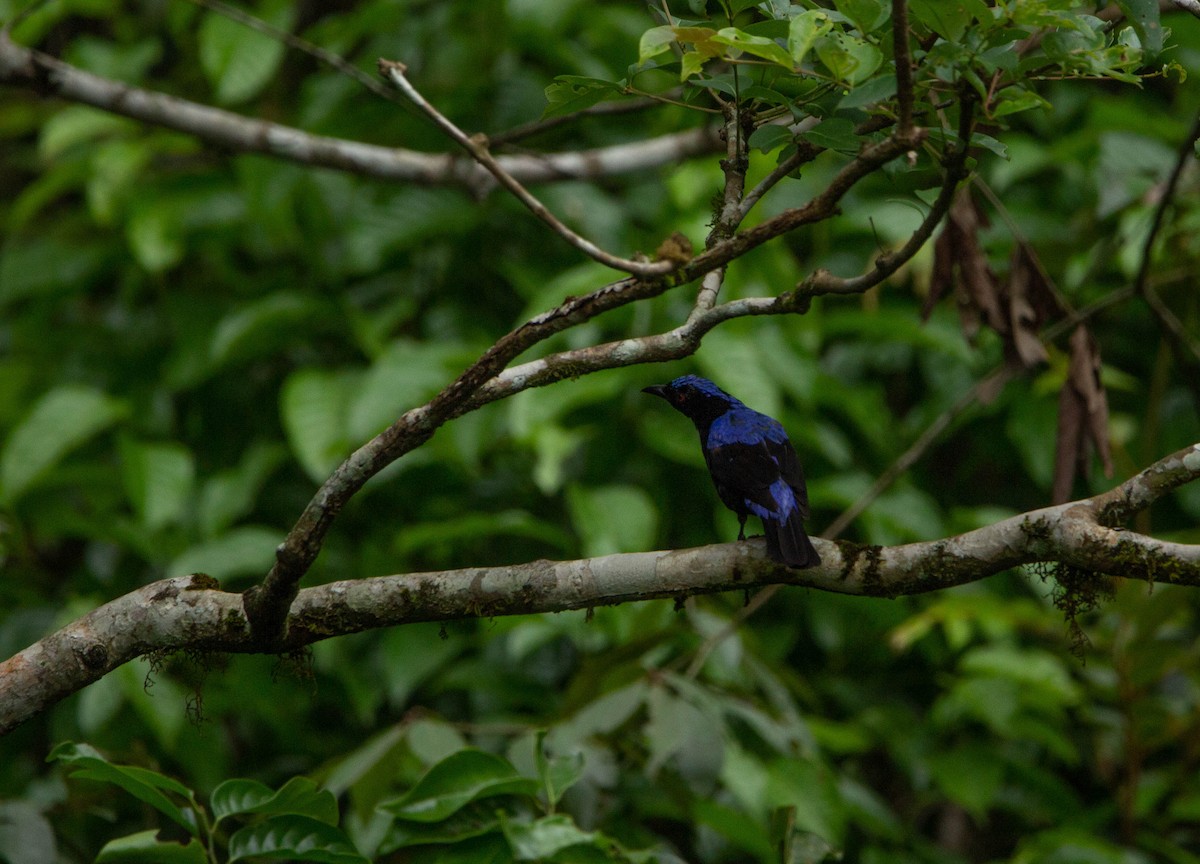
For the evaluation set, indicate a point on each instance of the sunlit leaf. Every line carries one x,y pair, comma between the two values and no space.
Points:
803,32
759,46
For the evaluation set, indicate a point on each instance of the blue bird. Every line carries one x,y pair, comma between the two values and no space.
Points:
752,463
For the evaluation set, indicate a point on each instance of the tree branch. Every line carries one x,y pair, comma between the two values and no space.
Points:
1192,6
477,146
40,72
1183,345
267,604
190,612
904,76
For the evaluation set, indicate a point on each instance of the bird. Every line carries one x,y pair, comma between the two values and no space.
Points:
752,463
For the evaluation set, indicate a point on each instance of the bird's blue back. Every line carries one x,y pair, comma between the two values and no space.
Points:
742,425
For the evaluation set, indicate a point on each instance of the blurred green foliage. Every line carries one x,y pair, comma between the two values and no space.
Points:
191,339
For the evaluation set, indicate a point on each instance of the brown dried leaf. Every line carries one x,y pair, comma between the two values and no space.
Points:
1085,375
982,287
1082,416
941,281
1068,442
1026,299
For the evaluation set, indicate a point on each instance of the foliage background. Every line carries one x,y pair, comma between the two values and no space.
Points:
192,339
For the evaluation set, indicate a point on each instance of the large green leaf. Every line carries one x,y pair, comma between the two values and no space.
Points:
759,46
293,838
231,494
457,780
247,550
314,404
545,837
158,478
147,786
60,421
238,61
613,518
145,847
299,796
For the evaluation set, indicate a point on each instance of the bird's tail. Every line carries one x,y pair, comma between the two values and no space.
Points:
788,543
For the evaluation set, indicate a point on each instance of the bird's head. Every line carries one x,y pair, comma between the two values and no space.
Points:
696,397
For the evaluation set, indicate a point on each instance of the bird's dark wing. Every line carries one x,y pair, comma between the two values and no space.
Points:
747,454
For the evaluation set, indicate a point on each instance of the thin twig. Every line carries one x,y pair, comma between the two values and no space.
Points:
329,58
824,282
537,127
805,153
267,604
989,385
1183,345
725,222
477,147
47,75
904,76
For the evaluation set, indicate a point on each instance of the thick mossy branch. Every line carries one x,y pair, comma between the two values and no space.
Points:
191,614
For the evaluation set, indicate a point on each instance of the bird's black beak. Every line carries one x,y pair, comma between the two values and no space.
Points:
657,390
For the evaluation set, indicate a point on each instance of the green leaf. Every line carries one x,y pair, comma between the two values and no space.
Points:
239,61
314,404
804,30
770,137
875,90
613,518
1035,670
759,46
969,775
114,169
255,329
26,834
231,494
405,375
295,838
808,786
44,266
475,820
300,796
571,93
545,837
61,420
147,786
456,781
557,773
848,58
1144,16
79,124
836,133
949,18
867,15
245,551
145,848
655,41
155,236
1010,102
158,478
